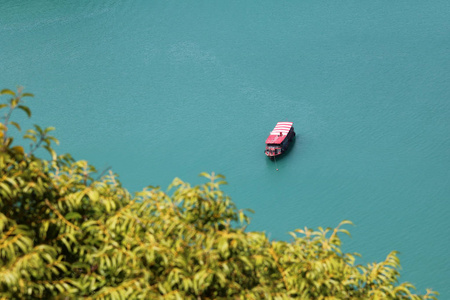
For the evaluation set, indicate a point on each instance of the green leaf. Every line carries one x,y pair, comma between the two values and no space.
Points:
15,125
25,109
3,105
346,222
27,95
204,174
18,149
6,91
31,131
14,102
48,129
93,195
53,139
31,137
5,187
39,129
73,215
345,231
51,151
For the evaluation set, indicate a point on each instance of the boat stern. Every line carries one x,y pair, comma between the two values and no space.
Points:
272,151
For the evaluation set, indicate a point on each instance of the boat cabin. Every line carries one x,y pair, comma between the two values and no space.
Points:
279,139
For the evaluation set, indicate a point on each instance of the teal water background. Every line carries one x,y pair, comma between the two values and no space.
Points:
164,89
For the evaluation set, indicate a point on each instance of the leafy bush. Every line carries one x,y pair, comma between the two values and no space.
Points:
65,233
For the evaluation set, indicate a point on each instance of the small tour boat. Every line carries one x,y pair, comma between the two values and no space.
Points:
279,139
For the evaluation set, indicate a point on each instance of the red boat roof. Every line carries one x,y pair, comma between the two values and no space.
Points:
279,133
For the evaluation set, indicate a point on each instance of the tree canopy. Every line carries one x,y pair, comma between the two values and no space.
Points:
70,232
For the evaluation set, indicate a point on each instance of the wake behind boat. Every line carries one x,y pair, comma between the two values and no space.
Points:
279,139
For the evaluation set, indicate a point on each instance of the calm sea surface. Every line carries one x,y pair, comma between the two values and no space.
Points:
164,89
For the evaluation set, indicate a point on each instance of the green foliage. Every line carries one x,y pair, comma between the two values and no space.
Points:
65,233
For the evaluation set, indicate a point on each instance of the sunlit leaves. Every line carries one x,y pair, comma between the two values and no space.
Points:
40,136
16,101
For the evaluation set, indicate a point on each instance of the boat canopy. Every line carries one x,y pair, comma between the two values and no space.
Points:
282,127
279,133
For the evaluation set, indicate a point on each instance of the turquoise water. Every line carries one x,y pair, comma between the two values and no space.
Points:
160,89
